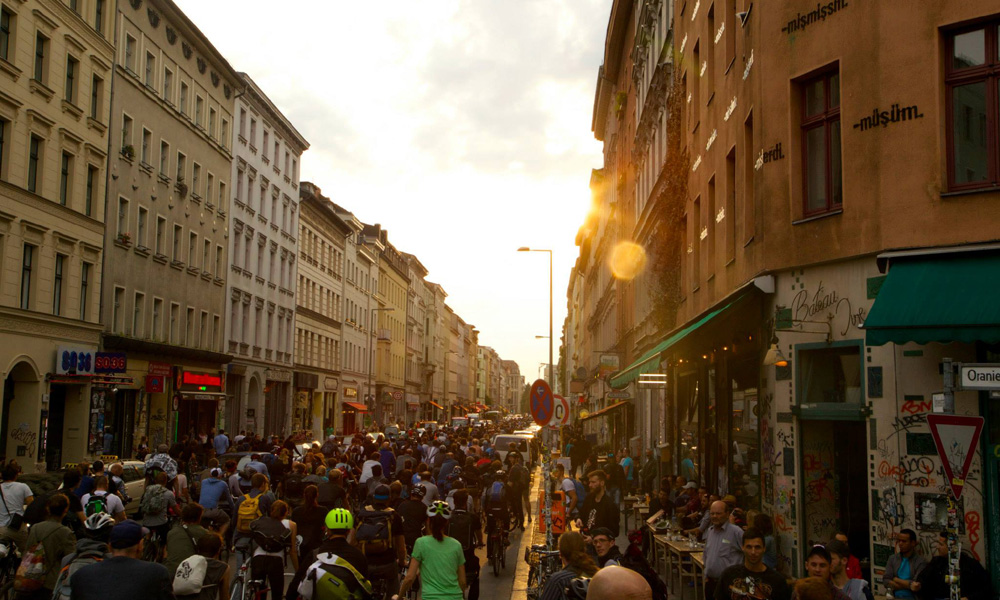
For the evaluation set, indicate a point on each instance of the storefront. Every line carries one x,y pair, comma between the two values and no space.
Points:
199,401
306,384
352,414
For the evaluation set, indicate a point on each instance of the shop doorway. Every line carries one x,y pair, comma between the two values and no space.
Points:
197,417
834,497
18,433
55,420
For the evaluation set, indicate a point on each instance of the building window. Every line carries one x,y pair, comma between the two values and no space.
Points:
203,331
821,163
182,103
65,170
72,69
175,317
84,289
157,332
253,131
192,247
6,35
224,134
205,255
126,130
88,206
218,260
41,64
209,188
129,53
195,178
74,5
211,122
96,95
189,333
4,128
150,66
99,16
216,331
199,106
829,375
161,234
164,157
972,78
138,310
264,145
57,284
178,234
243,122
168,85
122,216
147,140
34,161
117,310
181,166
27,269
140,229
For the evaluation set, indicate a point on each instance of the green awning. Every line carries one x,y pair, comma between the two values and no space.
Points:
650,361
942,298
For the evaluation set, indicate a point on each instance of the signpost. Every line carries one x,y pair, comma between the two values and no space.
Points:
542,402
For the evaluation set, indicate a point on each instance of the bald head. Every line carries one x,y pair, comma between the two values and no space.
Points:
618,583
718,513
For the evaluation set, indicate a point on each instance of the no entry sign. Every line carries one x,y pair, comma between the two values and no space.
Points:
542,402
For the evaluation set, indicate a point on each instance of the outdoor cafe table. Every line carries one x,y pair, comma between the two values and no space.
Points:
678,553
698,572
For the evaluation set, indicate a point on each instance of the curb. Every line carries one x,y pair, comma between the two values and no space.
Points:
520,584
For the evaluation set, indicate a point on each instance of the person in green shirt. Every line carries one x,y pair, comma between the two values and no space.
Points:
437,559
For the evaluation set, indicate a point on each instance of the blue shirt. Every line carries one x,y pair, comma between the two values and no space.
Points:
260,467
221,443
629,470
904,572
215,492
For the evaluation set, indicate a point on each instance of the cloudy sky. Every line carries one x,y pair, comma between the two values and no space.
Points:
463,127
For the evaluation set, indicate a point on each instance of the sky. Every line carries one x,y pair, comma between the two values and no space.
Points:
463,127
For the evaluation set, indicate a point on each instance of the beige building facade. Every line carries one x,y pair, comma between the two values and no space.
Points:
55,94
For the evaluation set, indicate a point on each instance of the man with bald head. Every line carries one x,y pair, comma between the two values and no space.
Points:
723,546
618,583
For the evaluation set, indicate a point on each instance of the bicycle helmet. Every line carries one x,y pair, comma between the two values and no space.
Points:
418,492
577,588
339,518
99,521
439,508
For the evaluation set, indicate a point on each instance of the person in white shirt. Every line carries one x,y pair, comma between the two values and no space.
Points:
112,503
16,496
366,469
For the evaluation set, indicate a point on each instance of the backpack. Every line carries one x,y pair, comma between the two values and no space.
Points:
325,496
62,589
248,512
328,448
460,528
581,492
34,567
374,533
96,504
271,535
190,575
294,486
154,500
498,493
333,578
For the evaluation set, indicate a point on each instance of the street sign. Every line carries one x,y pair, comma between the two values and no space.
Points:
979,377
542,402
560,412
618,395
956,438
397,395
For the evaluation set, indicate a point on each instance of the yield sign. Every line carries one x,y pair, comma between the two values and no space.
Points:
956,438
542,402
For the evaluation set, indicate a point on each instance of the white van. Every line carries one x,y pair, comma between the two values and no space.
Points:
501,443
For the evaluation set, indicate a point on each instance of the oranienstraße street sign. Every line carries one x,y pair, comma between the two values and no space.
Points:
956,438
618,395
979,376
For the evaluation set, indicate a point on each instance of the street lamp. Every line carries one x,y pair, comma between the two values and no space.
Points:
371,347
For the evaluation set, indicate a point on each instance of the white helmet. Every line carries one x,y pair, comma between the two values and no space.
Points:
98,521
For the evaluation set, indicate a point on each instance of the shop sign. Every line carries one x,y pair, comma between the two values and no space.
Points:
74,360
350,392
608,365
979,377
331,383
195,381
154,384
158,368
110,362
278,375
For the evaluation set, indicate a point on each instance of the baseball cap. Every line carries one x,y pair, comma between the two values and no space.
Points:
690,486
216,472
418,492
819,550
381,492
126,534
602,531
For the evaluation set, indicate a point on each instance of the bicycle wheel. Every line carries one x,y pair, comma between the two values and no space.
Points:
236,589
503,557
496,559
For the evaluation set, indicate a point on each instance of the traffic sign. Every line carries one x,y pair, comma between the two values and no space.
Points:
560,412
542,402
397,395
979,376
956,438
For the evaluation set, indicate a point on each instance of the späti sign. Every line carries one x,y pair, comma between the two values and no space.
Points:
542,402
979,376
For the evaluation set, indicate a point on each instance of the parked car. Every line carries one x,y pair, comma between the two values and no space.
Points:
523,443
134,476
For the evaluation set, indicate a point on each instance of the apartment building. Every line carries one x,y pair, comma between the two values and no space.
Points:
390,365
55,94
433,400
417,352
264,251
319,312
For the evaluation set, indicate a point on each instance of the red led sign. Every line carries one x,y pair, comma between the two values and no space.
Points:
188,378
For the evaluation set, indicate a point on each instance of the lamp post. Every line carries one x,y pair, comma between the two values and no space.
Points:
546,459
371,348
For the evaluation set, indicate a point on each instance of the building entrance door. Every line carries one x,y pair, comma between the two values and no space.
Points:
834,489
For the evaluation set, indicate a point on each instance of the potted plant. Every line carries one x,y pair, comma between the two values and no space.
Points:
128,152
124,238
181,187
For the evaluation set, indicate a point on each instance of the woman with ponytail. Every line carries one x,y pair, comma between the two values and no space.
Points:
576,563
438,559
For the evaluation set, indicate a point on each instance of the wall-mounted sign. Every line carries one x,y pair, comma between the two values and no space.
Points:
822,11
158,368
74,360
979,377
154,384
770,155
110,362
350,392
609,364
895,114
200,379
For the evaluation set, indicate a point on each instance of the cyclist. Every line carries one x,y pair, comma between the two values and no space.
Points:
576,563
157,506
215,497
438,559
496,505
273,534
467,528
100,501
413,512
182,539
15,496
335,562
123,575
380,537
161,462
55,540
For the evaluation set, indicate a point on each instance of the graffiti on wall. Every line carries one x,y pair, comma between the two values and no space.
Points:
24,436
821,502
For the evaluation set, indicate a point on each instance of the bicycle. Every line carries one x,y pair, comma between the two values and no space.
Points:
244,585
496,545
542,563
10,558
155,546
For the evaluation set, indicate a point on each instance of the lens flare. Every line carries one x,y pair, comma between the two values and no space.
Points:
627,260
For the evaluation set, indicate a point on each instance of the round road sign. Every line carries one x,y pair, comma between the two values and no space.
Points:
542,402
560,412
397,395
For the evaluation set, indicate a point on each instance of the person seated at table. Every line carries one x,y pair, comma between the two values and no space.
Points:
661,501
608,553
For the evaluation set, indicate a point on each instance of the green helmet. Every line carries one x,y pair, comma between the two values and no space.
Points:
339,518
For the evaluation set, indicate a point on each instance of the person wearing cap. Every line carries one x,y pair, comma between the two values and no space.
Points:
818,562
384,562
217,501
56,539
608,553
123,576
413,512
